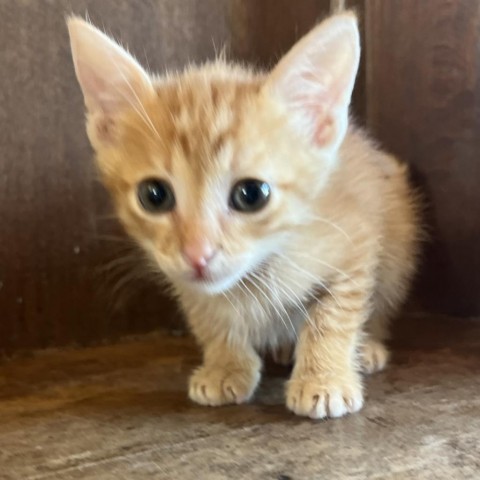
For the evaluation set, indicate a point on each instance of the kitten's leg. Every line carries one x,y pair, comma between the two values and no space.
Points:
325,380
229,374
283,354
373,354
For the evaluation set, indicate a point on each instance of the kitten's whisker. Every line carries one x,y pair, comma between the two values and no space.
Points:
333,225
269,300
146,59
299,306
249,292
113,238
118,262
296,301
275,294
142,113
225,294
308,318
126,280
146,117
328,265
316,280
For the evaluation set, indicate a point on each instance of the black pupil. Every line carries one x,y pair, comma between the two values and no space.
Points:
250,195
156,196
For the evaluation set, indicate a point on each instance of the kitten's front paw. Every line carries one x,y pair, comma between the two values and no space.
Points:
373,356
222,385
316,398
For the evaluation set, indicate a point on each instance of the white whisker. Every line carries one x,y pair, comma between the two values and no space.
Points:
269,300
225,294
315,279
333,225
296,303
328,265
301,304
142,113
244,287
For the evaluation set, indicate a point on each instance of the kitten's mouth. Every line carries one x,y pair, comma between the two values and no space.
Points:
200,276
207,283
217,282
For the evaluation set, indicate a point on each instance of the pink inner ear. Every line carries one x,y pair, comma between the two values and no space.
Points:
315,79
315,107
324,131
96,89
319,105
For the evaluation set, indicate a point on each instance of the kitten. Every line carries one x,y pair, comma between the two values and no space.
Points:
279,226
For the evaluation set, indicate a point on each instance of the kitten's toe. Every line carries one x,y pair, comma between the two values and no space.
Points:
216,386
283,355
373,356
314,398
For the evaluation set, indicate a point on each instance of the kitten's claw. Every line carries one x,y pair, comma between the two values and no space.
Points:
373,356
316,399
216,386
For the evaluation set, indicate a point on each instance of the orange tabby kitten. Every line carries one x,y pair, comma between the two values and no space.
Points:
279,226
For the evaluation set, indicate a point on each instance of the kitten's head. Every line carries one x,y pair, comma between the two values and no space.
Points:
215,169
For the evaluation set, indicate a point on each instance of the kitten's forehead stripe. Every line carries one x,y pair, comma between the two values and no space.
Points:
204,114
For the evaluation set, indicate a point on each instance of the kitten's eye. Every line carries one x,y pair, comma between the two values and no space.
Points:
249,195
156,196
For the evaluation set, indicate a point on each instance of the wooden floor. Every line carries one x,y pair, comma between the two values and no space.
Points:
121,412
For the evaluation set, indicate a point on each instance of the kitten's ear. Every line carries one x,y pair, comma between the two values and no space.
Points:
315,79
110,78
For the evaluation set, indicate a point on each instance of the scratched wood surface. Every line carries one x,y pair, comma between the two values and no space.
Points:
121,413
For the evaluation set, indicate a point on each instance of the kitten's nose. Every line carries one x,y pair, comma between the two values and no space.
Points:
198,255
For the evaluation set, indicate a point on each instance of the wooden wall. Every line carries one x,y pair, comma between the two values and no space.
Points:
423,103
63,259
56,240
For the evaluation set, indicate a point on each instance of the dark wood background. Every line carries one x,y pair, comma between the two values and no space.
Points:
423,103
63,260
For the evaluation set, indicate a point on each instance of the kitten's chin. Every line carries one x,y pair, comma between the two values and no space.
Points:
212,287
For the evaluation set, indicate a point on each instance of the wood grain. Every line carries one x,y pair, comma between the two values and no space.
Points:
54,238
423,98
122,412
263,31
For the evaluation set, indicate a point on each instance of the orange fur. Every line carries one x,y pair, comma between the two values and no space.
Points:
323,266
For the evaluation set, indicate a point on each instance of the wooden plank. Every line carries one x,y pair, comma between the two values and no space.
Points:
263,31
122,412
51,206
423,97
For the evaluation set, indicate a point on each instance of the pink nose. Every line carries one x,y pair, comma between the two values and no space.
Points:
198,255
